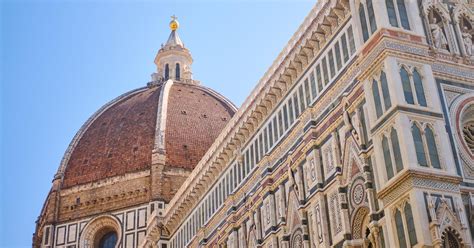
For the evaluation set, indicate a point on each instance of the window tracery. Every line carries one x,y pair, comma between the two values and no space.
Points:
391,153
397,13
412,81
468,128
426,147
380,93
404,224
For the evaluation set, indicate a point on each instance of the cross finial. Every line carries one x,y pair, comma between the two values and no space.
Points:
174,24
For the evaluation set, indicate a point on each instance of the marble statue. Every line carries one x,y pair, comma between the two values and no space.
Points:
467,41
439,39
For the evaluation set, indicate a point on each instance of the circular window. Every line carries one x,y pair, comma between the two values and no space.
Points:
467,123
102,231
108,240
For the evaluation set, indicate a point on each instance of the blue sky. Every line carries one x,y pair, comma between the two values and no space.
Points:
60,61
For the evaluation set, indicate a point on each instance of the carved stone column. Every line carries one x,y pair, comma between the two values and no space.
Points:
306,237
369,185
346,221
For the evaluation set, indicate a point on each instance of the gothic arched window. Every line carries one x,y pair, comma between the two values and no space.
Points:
407,92
425,146
385,92
380,89
396,150
412,82
363,22
410,224
167,72
432,149
391,153
370,10
377,102
387,157
397,14
400,230
420,94
392,16
178,72
402,12
418,140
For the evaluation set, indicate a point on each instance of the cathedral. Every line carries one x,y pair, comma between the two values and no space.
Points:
360,134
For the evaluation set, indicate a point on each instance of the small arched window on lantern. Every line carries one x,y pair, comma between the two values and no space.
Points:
167,72
178,72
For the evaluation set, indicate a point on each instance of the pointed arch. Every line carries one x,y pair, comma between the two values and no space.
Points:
351,162
451,238
370,10
432,148
377,101
410,224
396,150
385,92
419,149
400,231
363,22
402,11
392,16
420,93
387,157
407,92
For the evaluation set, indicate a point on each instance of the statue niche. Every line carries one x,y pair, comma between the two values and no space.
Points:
467,35
437,31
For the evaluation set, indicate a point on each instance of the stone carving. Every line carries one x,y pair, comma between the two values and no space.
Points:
267,210
358,194
467,41
348,123
292,179
313,169
319,225
335,213
468,134
297,240
358,223
252,237
437,33
432,207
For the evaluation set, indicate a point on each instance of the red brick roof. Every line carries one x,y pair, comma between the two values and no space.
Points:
195,118
118,141
121,139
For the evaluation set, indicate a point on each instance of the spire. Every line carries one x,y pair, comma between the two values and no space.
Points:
173,60
174,39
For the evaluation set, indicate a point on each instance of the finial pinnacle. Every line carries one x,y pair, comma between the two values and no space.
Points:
174,24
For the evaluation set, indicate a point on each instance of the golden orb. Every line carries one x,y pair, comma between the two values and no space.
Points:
174,24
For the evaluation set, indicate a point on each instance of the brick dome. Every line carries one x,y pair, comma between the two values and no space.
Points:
178,120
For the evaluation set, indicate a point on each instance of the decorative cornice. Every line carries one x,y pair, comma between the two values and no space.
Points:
440,181
286,69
